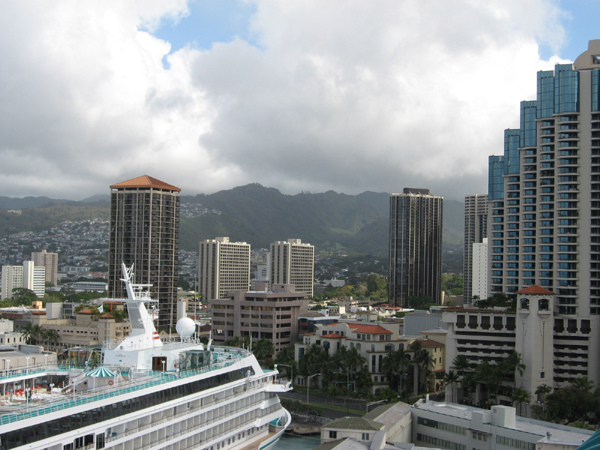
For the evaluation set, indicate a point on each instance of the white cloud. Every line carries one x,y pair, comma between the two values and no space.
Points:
345,95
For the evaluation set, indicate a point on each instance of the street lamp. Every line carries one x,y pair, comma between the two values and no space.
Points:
163,363
308,387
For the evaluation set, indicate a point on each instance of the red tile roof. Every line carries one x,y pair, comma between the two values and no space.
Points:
368,329
333,335
85,311
430,343
145,181
535,289
107,316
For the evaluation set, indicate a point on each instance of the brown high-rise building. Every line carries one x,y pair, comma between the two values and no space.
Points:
415,247
144,231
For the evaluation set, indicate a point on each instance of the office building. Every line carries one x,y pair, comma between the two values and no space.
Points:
144,231
476,214
259,315
415,246
223,267
544,211
27,276
50,262
293,262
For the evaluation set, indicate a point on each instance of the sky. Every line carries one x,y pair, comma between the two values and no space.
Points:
300,95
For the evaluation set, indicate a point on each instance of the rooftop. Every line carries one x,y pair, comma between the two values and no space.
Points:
143,380
145,181
560,433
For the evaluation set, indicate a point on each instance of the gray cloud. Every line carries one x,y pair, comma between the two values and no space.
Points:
343,95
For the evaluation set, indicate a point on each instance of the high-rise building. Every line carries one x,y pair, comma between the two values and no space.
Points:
293,262
144,231
50,262
476,212
27,276
415,246
544,220
223,267
479,270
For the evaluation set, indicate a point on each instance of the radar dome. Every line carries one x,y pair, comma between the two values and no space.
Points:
185,327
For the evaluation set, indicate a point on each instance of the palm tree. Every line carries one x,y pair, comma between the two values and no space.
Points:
424,362
451,377
542,391
461,364
390,365
513,364
519,397
583,384
51,337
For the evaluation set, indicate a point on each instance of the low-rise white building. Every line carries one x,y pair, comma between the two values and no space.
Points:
460,427
449,426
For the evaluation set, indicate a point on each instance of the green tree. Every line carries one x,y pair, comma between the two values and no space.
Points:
263,350
451,378
520,396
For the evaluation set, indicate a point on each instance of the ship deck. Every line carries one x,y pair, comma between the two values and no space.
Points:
17,409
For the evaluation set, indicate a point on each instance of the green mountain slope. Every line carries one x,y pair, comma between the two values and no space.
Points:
259,216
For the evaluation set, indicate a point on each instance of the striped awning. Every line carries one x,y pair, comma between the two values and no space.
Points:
101,372
592,443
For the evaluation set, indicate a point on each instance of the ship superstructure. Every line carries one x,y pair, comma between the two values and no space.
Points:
149,394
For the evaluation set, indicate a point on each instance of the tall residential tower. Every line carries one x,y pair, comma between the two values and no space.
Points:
144,231
476,212
415,246
293,262
544,222
223,267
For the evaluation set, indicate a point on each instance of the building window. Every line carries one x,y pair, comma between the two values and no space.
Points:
365,436
333,435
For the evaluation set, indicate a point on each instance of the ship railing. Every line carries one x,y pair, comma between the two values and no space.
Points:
72,400
192,412
10,375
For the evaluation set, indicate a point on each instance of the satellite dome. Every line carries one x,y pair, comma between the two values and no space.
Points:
185,327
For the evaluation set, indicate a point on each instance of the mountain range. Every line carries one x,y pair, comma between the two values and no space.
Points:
255,214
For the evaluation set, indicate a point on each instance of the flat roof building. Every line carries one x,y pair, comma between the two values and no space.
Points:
293,262
269,315
415,247
223,267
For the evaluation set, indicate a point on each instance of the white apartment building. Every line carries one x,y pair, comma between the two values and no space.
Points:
50,262
223,267
479,270
292,262
476,212
27,276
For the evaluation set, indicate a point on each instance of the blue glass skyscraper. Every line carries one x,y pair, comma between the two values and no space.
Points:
544,210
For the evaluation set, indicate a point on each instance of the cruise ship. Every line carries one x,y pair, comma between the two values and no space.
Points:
149,394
